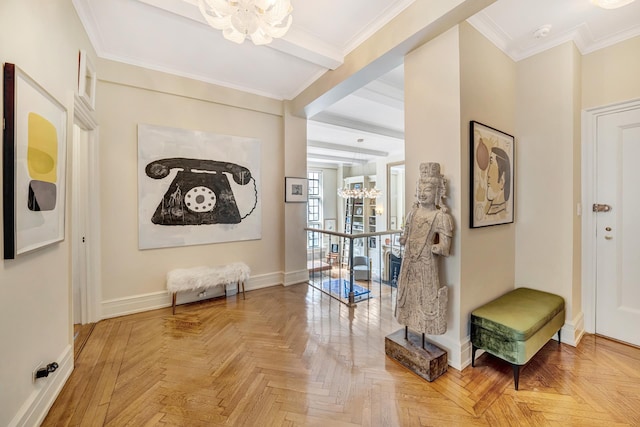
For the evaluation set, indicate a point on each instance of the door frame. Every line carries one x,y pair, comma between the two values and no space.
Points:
589,168
91,292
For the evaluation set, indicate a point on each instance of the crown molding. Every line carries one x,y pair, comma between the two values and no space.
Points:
581,35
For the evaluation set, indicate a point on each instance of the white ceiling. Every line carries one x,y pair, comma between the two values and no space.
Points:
171,36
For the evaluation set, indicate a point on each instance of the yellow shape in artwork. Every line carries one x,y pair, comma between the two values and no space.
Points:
42,152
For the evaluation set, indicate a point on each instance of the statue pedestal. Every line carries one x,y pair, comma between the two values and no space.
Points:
429,362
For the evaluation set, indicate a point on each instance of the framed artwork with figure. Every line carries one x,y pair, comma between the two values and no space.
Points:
492,176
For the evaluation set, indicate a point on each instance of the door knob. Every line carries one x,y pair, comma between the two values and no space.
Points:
608,228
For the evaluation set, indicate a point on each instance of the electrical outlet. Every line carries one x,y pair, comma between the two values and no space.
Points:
33,374
202,294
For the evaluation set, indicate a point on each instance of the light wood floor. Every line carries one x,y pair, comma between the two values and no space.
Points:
81,334
292,356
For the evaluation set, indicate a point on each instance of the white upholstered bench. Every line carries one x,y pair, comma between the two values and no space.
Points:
191,279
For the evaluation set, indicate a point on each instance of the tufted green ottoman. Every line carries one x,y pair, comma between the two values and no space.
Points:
516,325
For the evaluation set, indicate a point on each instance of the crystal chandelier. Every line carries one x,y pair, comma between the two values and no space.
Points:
359,193
259,20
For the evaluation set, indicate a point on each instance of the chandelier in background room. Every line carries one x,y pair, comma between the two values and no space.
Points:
359,193
259,20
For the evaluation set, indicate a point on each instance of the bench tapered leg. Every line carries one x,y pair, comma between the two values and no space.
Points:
473,355
516,374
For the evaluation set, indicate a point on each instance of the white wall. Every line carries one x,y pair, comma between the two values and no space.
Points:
43,39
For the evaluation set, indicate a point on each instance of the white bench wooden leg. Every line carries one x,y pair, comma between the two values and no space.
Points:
174,302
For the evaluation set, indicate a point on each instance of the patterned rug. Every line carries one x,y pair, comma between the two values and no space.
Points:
341,287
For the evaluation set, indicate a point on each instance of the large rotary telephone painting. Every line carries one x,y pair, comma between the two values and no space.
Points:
196,187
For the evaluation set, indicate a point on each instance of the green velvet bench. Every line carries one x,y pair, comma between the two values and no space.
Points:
516,325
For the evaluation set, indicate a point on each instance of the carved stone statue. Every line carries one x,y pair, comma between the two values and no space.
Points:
421,303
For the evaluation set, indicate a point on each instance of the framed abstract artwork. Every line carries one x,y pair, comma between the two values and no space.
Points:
492,176
295,189
33,164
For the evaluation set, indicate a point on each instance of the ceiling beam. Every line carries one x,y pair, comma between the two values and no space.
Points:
335,159
335,120
347,148
295,43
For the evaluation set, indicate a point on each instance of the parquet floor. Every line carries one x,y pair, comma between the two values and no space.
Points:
294,357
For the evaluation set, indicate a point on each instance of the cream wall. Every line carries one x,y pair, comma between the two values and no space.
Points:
128,96
488,94
548,165
43,39
611,75
294,219
449,81
432,134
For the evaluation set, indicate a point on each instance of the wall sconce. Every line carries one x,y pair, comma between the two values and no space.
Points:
379,210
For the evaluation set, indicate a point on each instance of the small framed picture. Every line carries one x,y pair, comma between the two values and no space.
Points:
86,80
372,242
295,189
492,176
330,224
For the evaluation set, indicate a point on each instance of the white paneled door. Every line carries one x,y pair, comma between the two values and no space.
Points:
618,226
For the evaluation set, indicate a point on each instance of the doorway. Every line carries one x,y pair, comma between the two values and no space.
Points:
84,225
611,233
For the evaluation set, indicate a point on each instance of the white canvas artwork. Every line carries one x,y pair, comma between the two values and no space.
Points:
196,188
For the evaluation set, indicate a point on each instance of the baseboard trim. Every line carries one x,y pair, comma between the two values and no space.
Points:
296,277
135,304
161,299
264,281
456,351
572,332
37,406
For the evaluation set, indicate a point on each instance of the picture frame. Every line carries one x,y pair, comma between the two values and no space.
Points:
330,224
295,189
359,210
372,242
87,78
492,186
223,213
34,155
